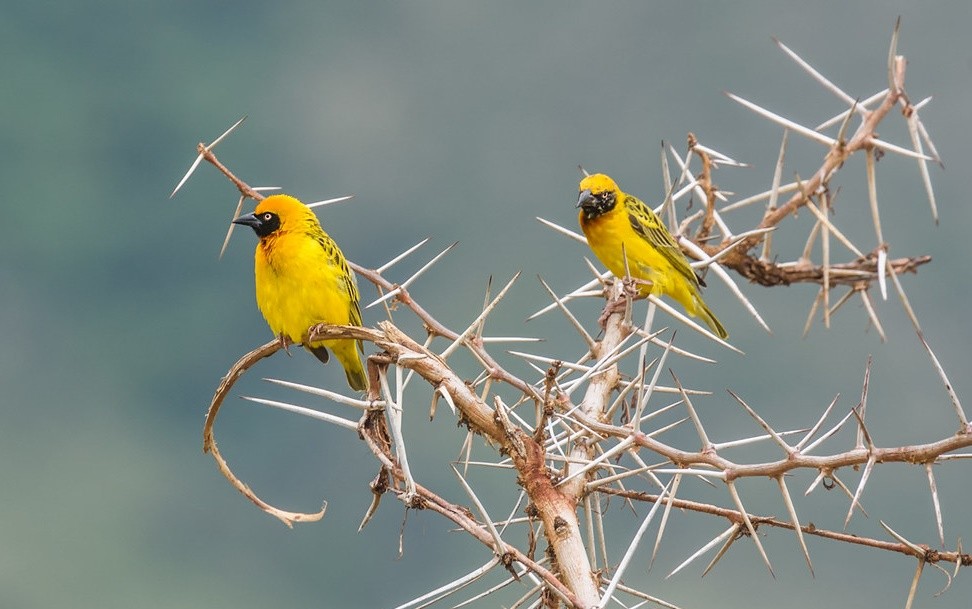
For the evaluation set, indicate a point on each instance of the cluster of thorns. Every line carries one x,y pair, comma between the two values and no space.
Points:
567,453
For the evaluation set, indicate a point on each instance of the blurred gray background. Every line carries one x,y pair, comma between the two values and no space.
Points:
457,122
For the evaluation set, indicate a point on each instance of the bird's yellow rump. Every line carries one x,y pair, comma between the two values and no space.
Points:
303,279
619,225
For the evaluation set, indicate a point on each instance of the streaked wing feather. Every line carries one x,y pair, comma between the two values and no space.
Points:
349,283
649,227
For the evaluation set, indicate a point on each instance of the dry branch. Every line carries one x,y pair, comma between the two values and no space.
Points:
576,454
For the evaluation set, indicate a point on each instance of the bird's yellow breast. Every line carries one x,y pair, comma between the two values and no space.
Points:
611,237
298,285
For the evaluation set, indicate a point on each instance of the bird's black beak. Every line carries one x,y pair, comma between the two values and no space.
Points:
584,199
250,220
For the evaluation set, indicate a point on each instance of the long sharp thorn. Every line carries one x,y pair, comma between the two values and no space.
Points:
872,198
330,201
927,138
199,158
795,520
229,231
959,411
938,507
399,257
330,395
307,412
635,542
699,429
904,298
872,314
882,268
410,280
861,107
762,423
948,579
749,524
816,481
958,563
223,135
892,52
813,312
384,297
668,204
500,544
661,304
645,395
819,423
860,489
829,433
564,231
916,550
676,480
842,131
728,533
922,164
589,532
913,590
482,316
718,555
428,265
591,343
825,254
814,73
443,591
189,173
862,429
907,152
776,118
727,279
478,332
775,193
833,230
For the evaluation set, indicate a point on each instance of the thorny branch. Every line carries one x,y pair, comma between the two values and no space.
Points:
575,452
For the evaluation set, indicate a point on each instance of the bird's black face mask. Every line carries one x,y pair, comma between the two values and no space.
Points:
262,225
595,204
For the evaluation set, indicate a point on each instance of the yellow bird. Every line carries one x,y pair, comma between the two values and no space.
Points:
303,279
616,222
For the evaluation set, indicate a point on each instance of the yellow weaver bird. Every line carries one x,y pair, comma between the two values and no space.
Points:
303,279
616,222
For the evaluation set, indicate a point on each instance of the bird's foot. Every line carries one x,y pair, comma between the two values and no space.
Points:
613,306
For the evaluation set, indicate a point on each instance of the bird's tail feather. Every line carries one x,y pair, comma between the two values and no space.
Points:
357,379
347,353
710,319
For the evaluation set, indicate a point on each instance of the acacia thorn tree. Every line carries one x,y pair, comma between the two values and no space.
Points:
585,436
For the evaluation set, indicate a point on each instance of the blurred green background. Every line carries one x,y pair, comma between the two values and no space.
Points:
458,122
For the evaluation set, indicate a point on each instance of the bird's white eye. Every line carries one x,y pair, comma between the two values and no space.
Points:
267,216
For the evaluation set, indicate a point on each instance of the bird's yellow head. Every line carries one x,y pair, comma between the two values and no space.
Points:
277,214
598,195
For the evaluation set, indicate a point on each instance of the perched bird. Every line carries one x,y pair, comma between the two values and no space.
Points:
303,279
617,222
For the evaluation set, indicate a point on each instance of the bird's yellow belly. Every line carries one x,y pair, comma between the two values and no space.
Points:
613,240
291,301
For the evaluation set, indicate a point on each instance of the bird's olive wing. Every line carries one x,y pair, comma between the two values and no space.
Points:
348,282
650,228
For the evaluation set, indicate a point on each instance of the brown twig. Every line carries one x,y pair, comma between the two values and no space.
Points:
705,182
242,186
209,439
735,516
